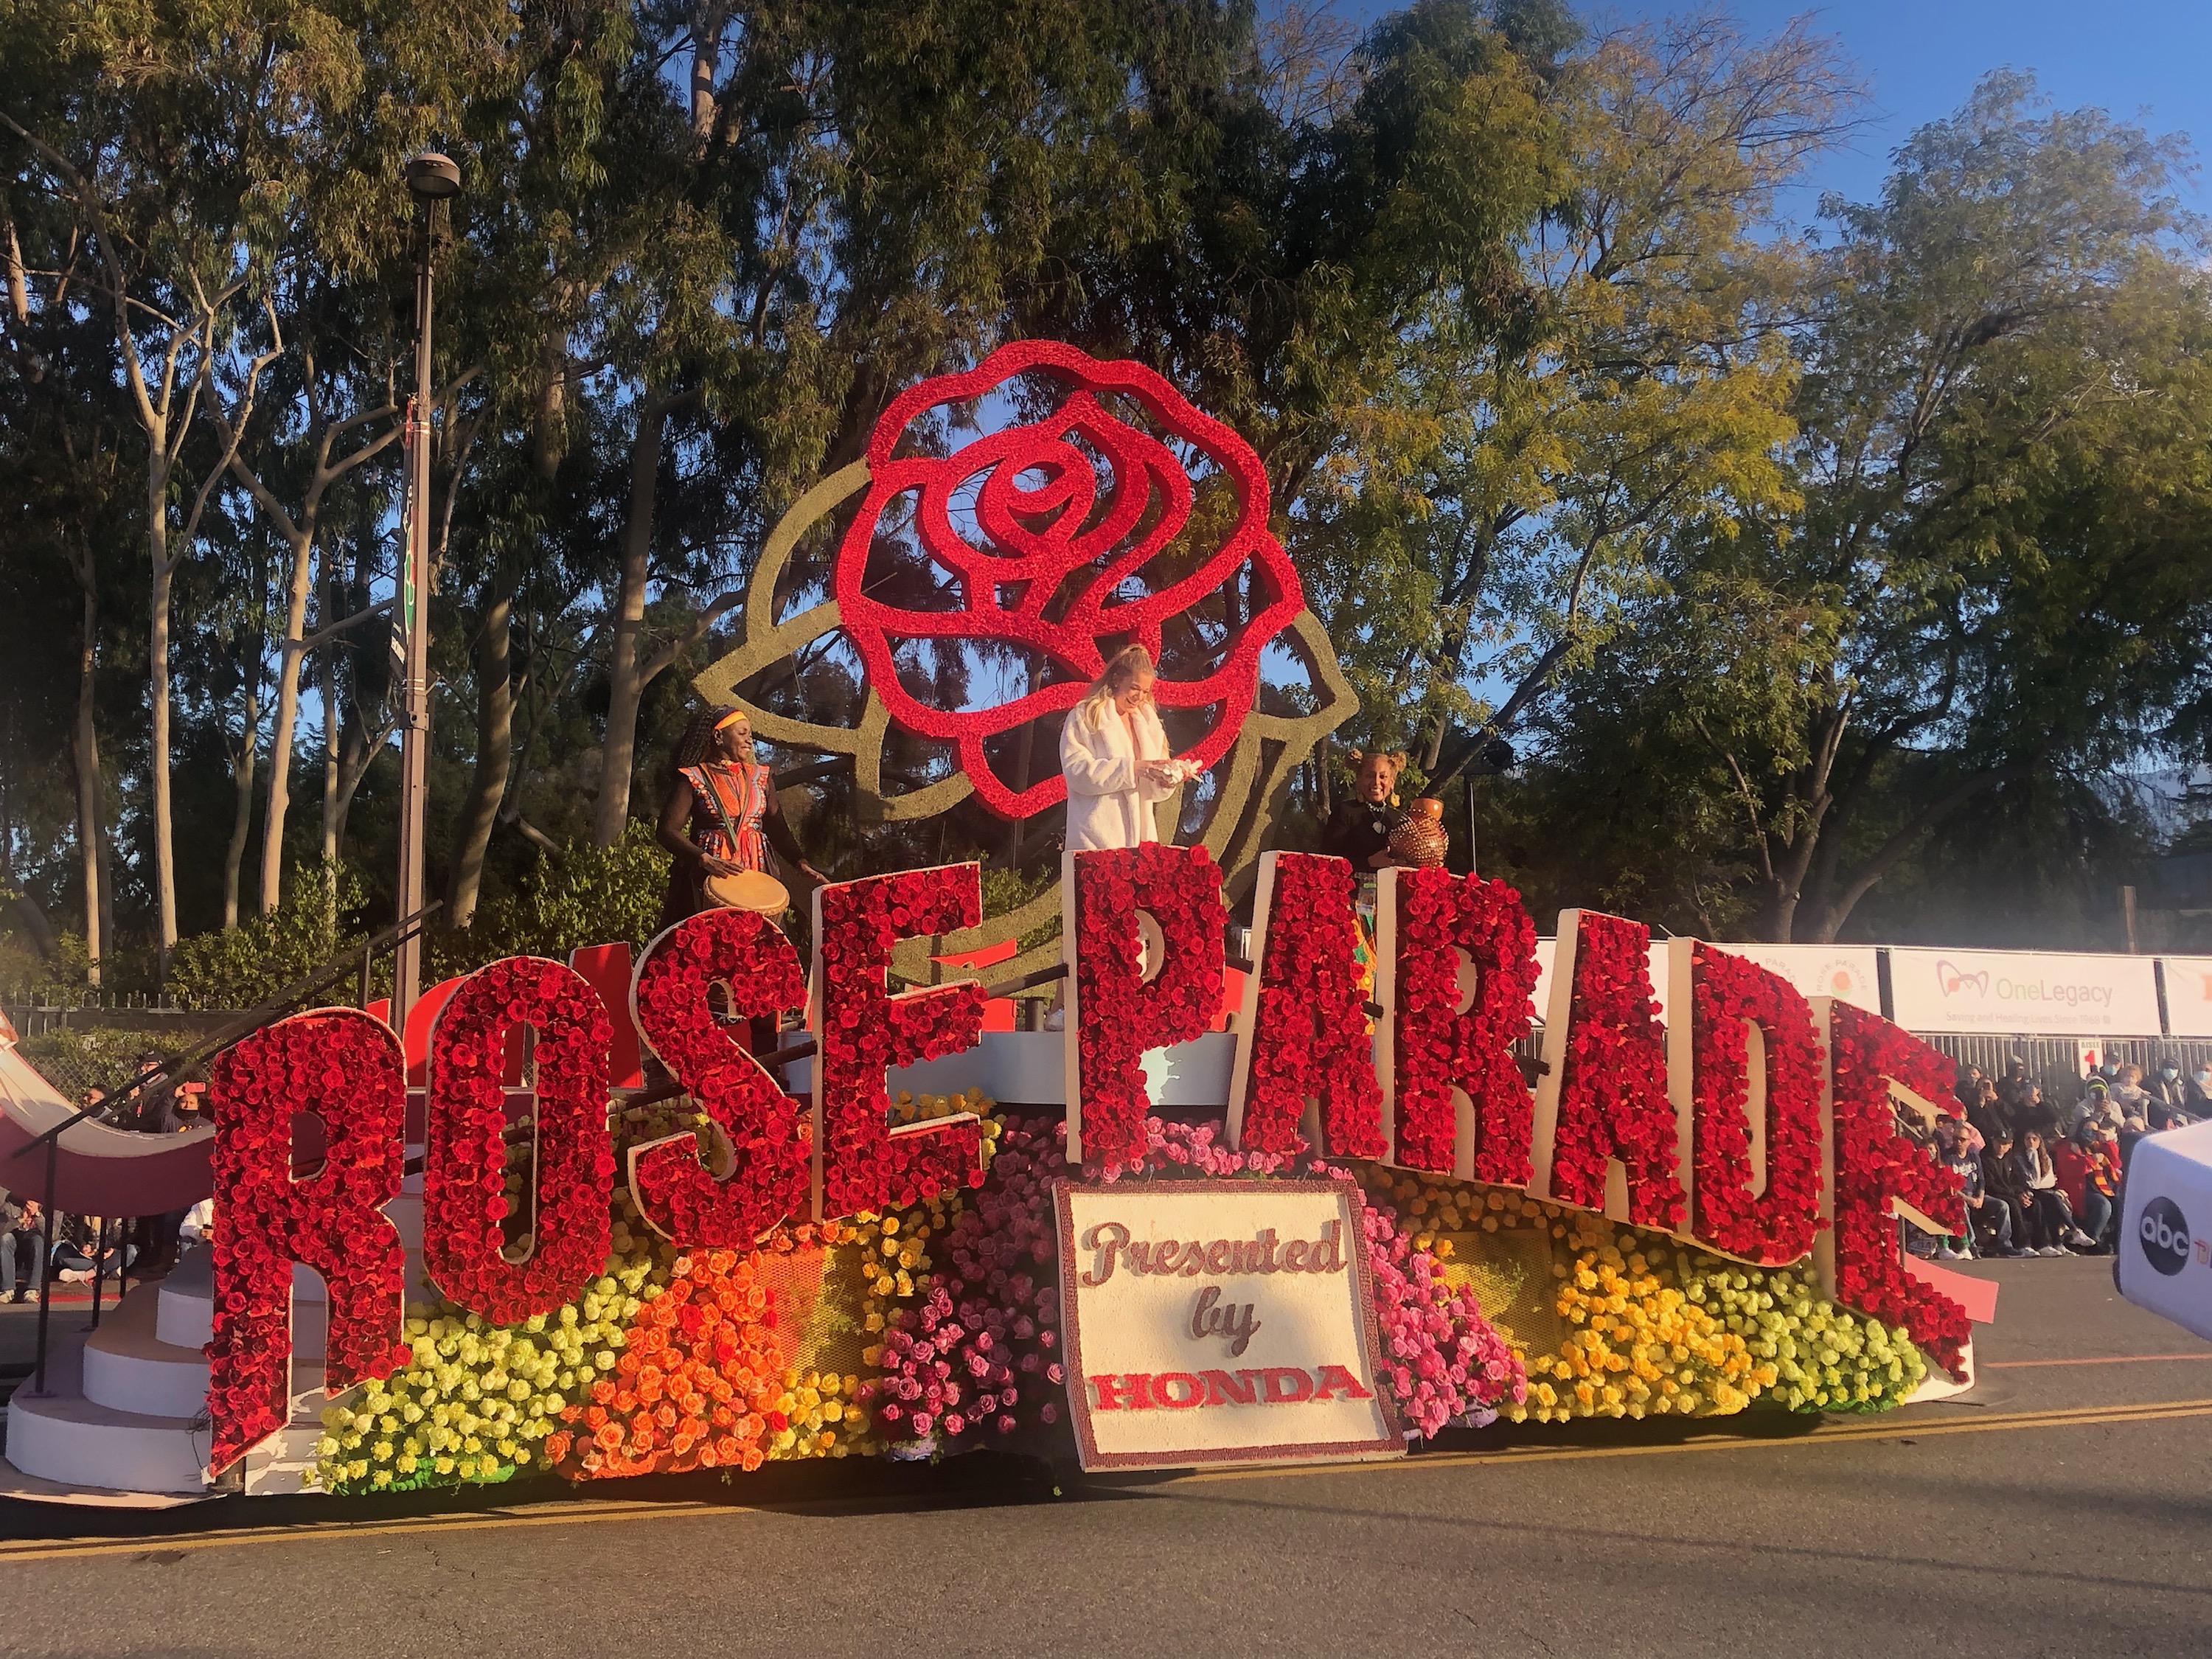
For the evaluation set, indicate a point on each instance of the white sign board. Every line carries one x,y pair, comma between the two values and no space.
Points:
2165,1244
1845,972
1219,1321
2188,995
2031,993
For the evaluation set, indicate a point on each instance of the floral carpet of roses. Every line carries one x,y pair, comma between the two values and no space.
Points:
1659,1328
668,1360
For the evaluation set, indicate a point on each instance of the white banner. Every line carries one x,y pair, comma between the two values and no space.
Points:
1845,972
1219,1321
2027,993
2189,995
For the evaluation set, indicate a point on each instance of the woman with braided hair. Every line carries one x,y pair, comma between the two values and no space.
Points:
722,817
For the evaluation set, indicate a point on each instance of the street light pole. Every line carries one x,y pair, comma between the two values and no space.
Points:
431,178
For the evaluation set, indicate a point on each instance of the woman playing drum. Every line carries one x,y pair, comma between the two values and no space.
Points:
722,817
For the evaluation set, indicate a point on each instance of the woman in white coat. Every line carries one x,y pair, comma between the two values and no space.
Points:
1115,755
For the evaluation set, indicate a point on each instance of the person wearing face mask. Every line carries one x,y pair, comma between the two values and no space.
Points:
2197,1093
2169,1098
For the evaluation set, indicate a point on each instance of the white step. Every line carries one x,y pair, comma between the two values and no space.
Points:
77,1443
280,1464
128,1368
186,1317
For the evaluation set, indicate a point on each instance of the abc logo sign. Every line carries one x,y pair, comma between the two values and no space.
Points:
2164,1234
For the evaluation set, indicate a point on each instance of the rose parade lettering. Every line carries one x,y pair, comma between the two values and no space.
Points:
1649,1127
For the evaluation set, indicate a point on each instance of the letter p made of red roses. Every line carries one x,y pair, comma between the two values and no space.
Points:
863,1031
345,1067
1117,1011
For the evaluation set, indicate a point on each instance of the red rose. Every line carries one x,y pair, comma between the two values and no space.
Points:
1061,553
1435,1047
1310,1040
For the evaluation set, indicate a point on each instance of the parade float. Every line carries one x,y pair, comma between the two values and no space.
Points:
1327,1202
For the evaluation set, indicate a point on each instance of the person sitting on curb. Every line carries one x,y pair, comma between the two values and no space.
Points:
1988,1221
22,1263
2050,1218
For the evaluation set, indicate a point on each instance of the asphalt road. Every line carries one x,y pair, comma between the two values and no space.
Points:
2065,1508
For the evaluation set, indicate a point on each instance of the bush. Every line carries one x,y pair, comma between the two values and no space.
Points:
587,895
246,965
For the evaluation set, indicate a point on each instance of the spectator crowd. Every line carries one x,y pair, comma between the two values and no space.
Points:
86,1246
2041,1178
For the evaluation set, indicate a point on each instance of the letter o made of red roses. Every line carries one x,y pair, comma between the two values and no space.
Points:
465,1166
747,953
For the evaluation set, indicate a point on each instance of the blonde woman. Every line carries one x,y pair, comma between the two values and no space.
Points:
1115,755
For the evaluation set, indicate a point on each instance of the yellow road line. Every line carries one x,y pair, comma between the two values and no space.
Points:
2098,1360
580,1512
1877,1429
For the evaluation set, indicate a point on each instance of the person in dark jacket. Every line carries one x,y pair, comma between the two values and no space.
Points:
1360,829
1989,1218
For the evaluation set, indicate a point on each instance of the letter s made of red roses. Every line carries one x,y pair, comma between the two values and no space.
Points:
345,1066
1115,1012
768,1182
864,1030
465,1244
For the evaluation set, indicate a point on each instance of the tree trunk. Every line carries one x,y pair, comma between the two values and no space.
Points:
241,821
494,747
625,683
157,662
84,747
549,427
287,715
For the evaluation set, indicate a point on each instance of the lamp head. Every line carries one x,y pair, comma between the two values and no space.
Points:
433,176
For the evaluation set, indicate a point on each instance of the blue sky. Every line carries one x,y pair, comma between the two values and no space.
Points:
2146,60
2141,59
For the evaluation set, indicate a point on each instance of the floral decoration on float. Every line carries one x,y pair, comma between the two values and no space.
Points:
730,1317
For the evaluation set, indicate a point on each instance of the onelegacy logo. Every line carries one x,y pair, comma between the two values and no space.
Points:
1953,980
2163,1232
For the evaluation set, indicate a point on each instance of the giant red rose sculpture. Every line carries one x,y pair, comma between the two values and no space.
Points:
1435,1047
1875,1163
1075,511
1727,993
465,1158
1119,1014
747,954
1613,1098
1309,1038
346,1068
865,1166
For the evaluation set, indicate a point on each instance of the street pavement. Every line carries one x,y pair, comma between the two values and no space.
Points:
2064,1508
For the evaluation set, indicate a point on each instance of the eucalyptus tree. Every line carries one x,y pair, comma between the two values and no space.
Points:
2010,337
